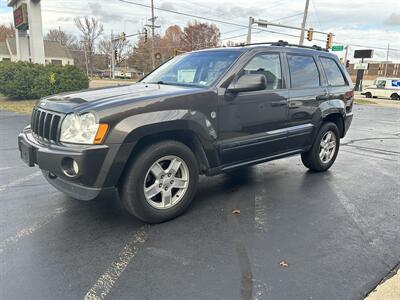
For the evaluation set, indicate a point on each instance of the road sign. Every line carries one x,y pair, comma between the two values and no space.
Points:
337,48
365,53
361,66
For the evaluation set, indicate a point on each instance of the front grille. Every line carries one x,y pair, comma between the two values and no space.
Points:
46,124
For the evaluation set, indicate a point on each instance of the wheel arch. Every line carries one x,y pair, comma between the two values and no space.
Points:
338,120
334,111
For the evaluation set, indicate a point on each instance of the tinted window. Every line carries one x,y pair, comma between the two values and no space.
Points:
303,71
268,65
194,69
332,71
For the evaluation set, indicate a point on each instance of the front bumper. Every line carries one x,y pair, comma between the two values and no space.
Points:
91,179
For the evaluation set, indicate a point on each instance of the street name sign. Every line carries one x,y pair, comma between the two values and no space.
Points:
337,48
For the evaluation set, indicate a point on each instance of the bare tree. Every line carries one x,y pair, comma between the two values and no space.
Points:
64,38
91,29
6,32
123,49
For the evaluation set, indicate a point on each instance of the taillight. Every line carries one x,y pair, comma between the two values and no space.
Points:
350,94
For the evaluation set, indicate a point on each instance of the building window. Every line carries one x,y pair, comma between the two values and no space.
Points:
56,62
6,59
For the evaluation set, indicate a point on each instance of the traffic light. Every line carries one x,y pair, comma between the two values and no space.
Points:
116,55
310,34
329,40
122,37
145,35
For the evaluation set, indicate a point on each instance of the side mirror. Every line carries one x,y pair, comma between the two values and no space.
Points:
248,83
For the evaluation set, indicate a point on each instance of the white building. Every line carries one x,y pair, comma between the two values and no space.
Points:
54,52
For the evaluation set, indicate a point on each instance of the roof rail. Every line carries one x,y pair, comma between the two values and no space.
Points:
282,43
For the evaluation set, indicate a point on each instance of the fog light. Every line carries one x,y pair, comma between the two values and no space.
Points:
75,166
70,167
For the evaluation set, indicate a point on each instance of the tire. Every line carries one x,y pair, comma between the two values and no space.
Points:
395,97
150,170
312,159
368,95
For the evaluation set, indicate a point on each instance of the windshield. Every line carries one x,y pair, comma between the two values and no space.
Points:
200,69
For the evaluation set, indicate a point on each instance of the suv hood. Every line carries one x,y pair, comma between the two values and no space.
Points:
103,98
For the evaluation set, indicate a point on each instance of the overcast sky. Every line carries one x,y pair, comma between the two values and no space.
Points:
358,22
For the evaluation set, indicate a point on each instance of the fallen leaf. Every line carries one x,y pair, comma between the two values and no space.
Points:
284,264
236,211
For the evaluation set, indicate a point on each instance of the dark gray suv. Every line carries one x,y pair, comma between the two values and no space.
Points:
203,112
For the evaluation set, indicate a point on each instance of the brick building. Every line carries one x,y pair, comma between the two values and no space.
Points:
376,69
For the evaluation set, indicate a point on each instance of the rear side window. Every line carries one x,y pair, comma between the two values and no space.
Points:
332,71
303,71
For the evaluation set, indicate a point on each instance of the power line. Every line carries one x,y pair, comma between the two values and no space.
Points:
243,26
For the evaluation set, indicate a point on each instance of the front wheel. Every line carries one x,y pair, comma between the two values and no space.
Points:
368,95
161,182
324,151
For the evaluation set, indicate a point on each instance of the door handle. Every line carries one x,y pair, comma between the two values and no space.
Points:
325,96
278,103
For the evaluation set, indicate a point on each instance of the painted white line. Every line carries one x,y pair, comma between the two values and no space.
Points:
12,240
19,181
105,283
4,168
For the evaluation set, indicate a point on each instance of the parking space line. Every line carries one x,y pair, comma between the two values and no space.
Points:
105,283
12,240
19,181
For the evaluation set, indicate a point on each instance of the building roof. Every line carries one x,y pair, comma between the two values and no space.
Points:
55,49
51,49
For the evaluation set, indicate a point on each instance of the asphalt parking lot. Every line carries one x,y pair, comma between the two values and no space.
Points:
299,235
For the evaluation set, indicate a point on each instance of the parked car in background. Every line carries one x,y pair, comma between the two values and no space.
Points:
383,88
204,112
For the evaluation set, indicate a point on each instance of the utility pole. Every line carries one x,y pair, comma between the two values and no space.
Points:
346,55
152,34
387,59
303,24
112,75
251,21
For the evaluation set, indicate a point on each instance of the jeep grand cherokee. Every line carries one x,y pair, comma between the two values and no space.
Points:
203,112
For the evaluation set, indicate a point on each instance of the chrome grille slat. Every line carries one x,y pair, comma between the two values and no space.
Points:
46,124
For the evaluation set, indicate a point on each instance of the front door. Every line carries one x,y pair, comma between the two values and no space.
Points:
252,124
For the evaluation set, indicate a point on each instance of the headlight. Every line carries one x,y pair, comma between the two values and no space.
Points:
81,129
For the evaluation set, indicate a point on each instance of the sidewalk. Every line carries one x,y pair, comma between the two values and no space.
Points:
360,99
388,290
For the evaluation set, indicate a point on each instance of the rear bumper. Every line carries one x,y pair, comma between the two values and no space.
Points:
98,172
347,122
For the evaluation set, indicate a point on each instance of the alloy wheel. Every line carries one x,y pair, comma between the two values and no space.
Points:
166,182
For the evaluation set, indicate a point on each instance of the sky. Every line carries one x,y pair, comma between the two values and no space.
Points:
356,22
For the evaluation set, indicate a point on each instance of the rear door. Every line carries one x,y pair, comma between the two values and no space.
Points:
307,89
338,85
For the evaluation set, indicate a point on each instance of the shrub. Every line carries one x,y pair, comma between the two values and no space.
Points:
23,80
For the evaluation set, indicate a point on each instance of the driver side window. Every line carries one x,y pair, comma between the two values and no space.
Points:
381,84
269,65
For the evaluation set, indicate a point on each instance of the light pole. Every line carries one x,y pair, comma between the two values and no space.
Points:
303,24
